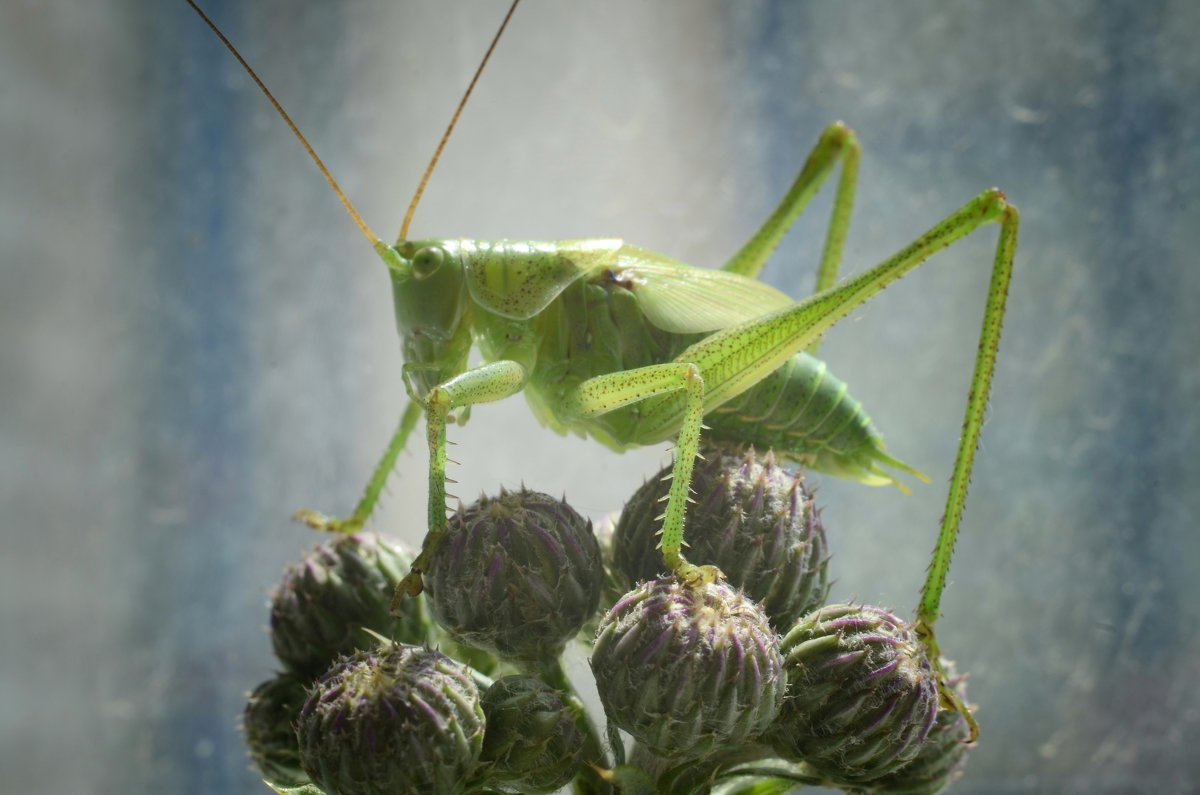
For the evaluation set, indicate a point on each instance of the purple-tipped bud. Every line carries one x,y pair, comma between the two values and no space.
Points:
395,721
268,723
752,518
862,694
517,575
341,587
687,670
532,743
942,756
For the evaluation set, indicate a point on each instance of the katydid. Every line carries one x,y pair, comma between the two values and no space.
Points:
631,347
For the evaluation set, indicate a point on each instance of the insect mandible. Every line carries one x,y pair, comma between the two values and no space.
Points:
632,347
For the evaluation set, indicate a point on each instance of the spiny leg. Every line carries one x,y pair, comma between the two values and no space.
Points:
605,393
837,140
370,497
484,384
928,609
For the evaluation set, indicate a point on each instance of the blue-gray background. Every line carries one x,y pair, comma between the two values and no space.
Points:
195,341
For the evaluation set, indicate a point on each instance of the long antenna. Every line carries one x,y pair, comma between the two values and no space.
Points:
412,207
362,225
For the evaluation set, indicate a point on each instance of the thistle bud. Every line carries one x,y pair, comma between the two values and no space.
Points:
517,575
862,694
268,723
942,756
395,721
687,670
340,587
532,743
752,518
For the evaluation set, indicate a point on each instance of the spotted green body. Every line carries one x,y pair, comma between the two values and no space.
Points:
598,324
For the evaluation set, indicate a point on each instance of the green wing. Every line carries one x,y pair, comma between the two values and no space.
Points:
685,300
519,279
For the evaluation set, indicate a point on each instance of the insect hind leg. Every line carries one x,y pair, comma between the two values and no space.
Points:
836,141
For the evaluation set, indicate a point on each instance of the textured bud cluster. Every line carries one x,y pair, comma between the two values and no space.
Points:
532,743
696,673
342,586
392,722
942,756
863,694
688,670
268,723
752,518
517,575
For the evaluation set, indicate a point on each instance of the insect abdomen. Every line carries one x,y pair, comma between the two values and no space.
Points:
806,414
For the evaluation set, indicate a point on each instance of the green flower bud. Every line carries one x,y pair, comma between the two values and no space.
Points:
942,756
268,723
517,575
340,587
752,518
862,694
394,721
532,743
687,670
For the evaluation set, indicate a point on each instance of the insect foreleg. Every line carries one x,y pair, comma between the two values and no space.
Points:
483,384
370,497
605,393
836,141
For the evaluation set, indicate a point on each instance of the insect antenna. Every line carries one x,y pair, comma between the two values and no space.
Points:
437,153
362,225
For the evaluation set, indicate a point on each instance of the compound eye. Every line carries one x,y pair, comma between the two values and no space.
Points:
427,261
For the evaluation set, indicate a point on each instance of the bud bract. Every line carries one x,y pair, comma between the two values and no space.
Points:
341,587
532,743
269,725
752,518
517,575
397,721
862,694
942,756
688,669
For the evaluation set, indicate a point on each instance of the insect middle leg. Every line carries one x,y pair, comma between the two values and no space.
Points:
370,498
604,393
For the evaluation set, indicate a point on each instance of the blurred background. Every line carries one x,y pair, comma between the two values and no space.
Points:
195,340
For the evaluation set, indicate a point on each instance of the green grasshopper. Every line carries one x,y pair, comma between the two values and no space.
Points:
632,347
